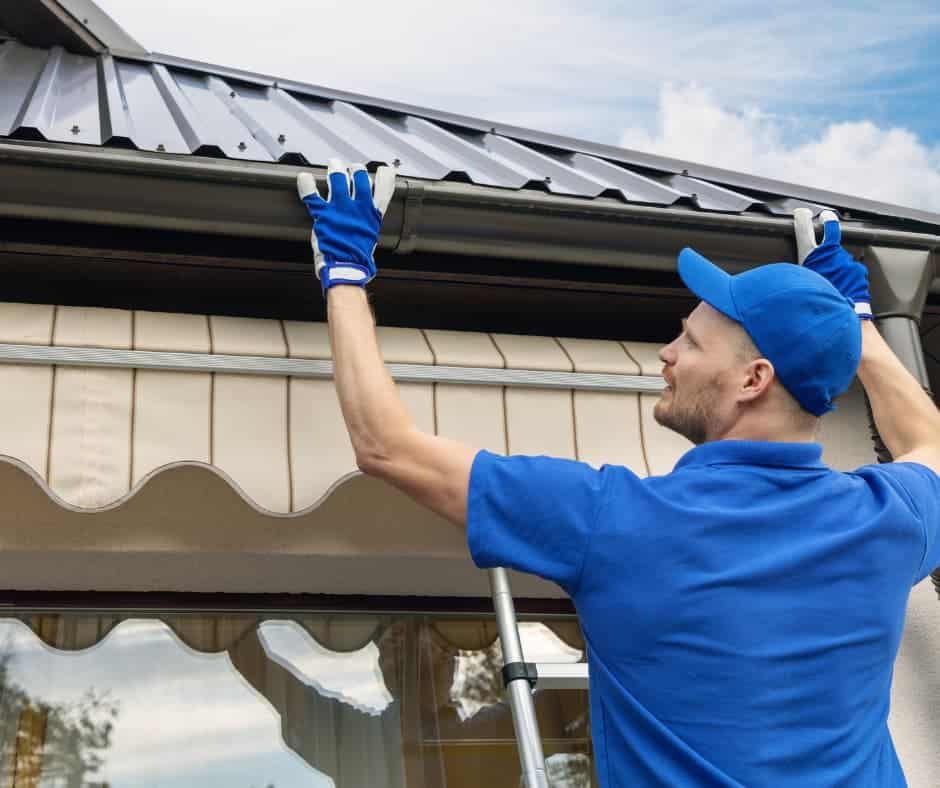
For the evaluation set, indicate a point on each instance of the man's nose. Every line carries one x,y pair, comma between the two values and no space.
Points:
667,354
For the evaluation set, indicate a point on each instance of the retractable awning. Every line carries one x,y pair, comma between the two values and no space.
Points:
150,450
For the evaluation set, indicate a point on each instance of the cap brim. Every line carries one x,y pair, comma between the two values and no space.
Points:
708,282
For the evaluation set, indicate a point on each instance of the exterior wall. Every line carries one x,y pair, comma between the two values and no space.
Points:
915,713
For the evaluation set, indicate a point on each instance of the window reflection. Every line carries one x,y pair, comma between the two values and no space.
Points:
353,677
138,707
318,700
478,681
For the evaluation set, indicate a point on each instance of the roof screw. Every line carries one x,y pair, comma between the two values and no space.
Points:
84,21
242,146
548,179
396,162
694,195
275,85
161,147
492,129
685,173
75,129
282,138
232,94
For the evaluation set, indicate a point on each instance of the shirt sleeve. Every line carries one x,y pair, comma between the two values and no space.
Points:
922,488
534,514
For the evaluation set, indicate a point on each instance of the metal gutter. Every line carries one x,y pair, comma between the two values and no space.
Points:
239,199
322,369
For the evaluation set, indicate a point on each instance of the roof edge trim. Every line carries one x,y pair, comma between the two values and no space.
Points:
77,25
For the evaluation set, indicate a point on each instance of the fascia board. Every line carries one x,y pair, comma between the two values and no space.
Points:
132,189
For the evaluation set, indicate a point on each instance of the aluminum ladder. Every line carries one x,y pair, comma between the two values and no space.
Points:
520,679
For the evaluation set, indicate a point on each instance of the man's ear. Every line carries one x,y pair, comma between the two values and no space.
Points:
759,375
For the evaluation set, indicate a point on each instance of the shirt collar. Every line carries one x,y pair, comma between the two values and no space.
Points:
769,453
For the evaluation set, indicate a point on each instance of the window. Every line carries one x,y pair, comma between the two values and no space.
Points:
344,700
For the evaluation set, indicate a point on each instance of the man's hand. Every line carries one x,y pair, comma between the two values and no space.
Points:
346,224
909,423
830,260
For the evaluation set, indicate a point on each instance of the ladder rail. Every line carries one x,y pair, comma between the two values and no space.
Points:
524,721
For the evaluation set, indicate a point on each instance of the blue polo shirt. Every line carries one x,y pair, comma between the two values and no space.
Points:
742,613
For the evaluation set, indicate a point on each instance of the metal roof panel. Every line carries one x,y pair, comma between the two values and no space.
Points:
37,109
157,103
633,186
220,126
149,123
559,178
20,67
72,107
710,197
459,152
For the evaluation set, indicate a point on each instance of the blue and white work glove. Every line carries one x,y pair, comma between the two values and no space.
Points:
346,224
830,260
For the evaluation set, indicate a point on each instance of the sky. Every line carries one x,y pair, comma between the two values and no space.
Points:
842,95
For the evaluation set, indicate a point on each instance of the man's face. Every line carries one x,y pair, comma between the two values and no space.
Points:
699,369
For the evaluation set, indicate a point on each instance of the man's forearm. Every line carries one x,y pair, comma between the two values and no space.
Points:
371,407
905,416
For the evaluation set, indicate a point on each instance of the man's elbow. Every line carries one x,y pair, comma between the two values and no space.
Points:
369,459
375,458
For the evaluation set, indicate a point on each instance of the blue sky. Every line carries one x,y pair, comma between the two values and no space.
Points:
841,95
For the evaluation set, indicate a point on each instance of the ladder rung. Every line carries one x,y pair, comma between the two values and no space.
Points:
562,675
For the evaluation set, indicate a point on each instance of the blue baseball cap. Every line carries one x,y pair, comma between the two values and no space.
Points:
800,323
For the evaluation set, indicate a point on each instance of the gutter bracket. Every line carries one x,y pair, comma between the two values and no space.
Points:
411,218
900,280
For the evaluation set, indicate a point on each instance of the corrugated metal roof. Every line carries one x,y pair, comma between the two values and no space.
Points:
162,104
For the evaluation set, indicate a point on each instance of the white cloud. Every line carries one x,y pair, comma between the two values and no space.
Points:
858,158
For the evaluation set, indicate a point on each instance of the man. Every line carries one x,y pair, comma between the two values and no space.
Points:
743,612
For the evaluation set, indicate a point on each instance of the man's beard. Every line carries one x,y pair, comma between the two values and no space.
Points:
690,419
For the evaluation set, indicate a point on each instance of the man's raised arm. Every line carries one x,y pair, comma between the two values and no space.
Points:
434,471
907,420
